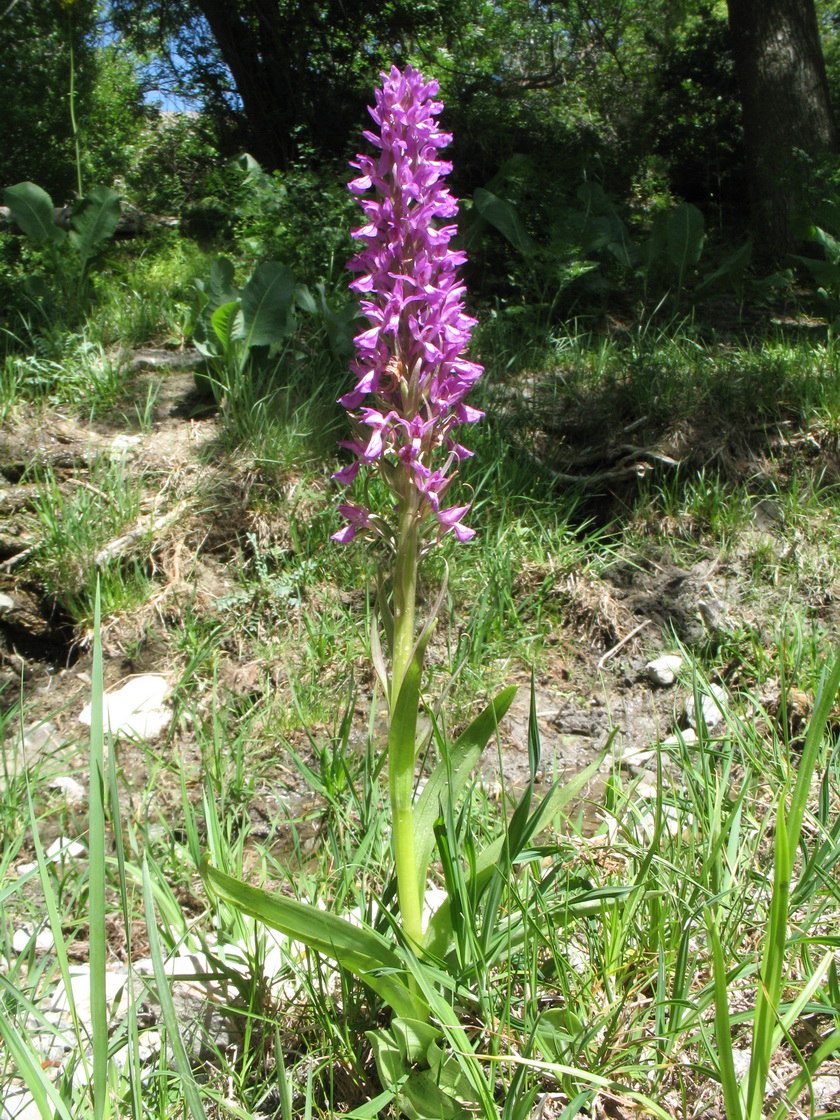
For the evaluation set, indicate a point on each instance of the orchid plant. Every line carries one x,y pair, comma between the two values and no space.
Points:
412,378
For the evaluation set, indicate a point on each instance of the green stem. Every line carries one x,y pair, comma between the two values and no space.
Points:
403,703
73,123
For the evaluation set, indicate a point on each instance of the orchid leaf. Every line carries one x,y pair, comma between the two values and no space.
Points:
362,951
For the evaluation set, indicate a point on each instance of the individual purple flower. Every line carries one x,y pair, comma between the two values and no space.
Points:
411,371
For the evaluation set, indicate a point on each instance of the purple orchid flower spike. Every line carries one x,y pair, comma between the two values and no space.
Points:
412,376
411,371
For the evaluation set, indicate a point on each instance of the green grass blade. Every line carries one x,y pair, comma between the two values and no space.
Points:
96,879
770,976
723,1026
810,751
28,1066
450,781
170,1018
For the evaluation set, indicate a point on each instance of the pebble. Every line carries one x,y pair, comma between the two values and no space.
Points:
22,938
663,670
65,848
7,603
74,793
41,739
712,707
687,737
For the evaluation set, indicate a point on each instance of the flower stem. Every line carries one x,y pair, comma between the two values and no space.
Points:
73,124
403,703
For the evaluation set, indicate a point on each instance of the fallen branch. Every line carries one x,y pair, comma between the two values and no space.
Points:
611,652
145,528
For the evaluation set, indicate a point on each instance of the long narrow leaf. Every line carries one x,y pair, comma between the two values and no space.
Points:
770,976
464,754
810,751
167,1007
29,1068
365,953
723,1026
96,877
487,863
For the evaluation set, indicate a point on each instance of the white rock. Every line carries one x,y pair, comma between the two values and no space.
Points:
712,706
124,441
22,937
80,988
634,757
18,1104
72,790
41,739
688,736
64,847
663,670
741,1060
826,1090
137,709
7,603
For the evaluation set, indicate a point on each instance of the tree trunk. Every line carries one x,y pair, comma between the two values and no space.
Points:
258,53
787,116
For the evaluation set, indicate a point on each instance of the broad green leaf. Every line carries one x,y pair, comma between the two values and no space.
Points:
362,951
305,300
594,198
390,1061
464,753
268,304
33,210
825,273
652,249
422,1098
732,269
418,1041
829,243
94,219
685,237
220,288
504,217
226,322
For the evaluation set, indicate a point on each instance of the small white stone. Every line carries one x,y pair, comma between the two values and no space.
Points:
688,736
137,709
634,757
663,670
712,706
72,790
22,937
7,603
741,1060
18,1104
65,848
